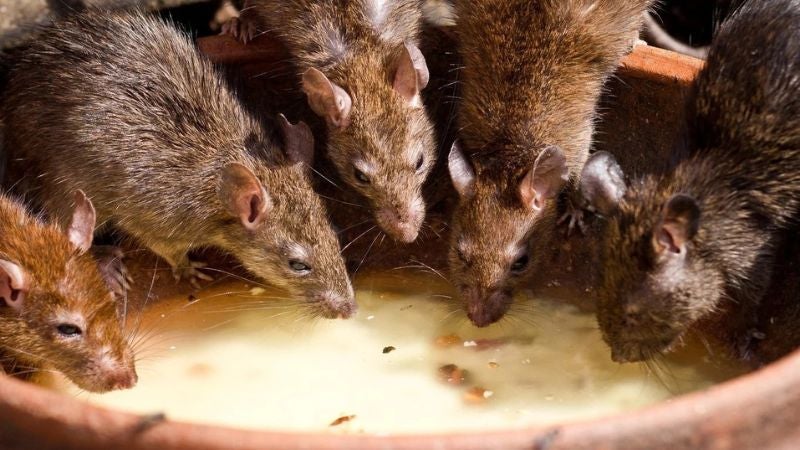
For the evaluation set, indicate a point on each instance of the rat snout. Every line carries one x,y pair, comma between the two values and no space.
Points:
334,306
124,378
402,223
485,307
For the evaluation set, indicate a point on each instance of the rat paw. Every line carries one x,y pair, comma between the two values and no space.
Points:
112,269
240,28
574,217
192,273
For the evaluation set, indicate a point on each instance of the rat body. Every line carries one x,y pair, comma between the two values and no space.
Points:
55,309
533,74
123,107
362,72
683,246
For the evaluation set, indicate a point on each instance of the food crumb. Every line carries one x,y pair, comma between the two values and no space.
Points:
452,374
192,298
388,349
370,317
493,365
477,395
448,340
342,420
470,344
257,291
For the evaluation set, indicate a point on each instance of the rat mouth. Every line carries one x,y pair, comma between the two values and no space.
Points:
333,306
643,349
100,381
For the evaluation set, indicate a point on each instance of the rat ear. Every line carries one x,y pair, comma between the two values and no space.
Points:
679,223
298,140
14,285
243,196
81,228
602,183
545,180
411,75
327,99
460,171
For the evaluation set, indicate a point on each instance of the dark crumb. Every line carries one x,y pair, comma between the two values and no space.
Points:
342,420
388,349
192,298
452,374
148,421
406,307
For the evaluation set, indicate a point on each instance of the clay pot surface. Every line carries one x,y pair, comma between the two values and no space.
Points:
756,411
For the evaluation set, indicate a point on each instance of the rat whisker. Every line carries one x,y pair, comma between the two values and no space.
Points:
357,238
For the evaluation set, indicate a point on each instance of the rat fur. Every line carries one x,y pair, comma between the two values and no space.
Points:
123,107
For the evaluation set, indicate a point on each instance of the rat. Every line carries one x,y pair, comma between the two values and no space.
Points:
123,107
533,74
681,247
55,308
361,70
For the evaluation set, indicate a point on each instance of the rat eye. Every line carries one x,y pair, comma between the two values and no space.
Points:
520,264
69,330
361,176
299,266
419,162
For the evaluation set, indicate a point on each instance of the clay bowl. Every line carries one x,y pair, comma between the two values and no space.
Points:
758,410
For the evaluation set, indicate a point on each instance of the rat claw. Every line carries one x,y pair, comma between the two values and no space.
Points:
241,29
192,274
112,269
574,216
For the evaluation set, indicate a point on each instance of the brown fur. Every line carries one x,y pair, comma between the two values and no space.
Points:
533,73
63,283
384,131
743,172
124,108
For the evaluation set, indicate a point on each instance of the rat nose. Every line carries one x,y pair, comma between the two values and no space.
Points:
483,308
123,379
402,222
334,306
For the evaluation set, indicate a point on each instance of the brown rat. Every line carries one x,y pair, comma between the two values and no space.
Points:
123,107
533,73
55,309
362,72
684,246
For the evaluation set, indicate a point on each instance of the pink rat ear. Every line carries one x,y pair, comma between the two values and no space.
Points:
411,75
679,224
81,228
14,285
243,196
461,172
327,99
545,180
299,141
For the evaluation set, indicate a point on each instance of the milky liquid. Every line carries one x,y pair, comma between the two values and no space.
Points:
251,361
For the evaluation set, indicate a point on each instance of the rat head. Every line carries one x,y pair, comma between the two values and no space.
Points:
491,230
65,306
279,230
656,282
379,136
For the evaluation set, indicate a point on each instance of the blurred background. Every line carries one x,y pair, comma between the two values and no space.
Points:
685,26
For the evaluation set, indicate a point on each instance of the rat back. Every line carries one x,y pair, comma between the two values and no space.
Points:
533,72
129,113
